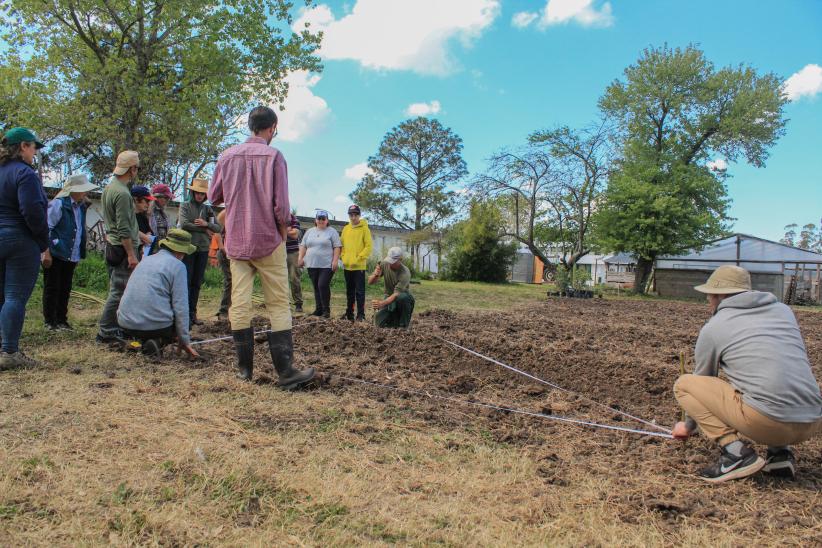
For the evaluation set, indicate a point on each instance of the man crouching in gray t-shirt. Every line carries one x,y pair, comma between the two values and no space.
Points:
771,395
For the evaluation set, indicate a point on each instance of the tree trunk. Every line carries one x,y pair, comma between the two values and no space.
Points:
643,270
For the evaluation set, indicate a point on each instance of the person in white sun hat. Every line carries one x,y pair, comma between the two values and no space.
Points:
67,246
770,396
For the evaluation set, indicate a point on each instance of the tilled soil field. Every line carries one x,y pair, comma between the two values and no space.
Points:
620,354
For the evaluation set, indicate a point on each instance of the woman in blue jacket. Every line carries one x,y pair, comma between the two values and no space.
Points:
24,234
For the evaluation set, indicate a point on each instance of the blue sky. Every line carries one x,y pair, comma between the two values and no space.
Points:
496,70
493,82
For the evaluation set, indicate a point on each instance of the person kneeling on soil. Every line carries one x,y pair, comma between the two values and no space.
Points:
396,309
771,395
154,308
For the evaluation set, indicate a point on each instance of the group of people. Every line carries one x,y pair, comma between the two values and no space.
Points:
156,270
769,394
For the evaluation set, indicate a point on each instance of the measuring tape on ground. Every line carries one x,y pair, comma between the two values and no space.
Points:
552,385
556,418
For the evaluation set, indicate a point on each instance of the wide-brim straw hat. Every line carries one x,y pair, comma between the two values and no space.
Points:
199,185
725,280
178,240
76,183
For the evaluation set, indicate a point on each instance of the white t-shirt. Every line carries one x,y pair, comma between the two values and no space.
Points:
319,247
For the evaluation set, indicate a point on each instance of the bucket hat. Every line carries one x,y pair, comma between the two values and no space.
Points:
199,185
178,240
125,161
75,183
725,280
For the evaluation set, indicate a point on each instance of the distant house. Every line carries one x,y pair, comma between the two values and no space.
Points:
614,270
788,272
620,270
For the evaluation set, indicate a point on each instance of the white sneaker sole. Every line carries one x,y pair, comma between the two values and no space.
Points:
784,469
739,473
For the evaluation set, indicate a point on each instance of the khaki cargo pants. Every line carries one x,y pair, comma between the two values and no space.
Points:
722,416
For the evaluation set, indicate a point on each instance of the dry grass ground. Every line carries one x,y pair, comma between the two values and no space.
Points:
99,447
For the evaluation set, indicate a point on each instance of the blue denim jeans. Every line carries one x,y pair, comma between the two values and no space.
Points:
19,267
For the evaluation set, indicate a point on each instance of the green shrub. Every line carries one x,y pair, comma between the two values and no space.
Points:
92,273
474,249
575,278
213,277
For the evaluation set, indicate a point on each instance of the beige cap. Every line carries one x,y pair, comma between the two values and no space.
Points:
725,280
199,185
394,255
125,161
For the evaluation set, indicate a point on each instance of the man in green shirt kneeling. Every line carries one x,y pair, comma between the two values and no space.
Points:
396,309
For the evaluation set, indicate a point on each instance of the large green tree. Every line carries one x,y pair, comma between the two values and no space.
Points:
168,79
408,179
676,113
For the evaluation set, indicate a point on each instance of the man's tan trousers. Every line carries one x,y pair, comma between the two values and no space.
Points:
722,416
274,278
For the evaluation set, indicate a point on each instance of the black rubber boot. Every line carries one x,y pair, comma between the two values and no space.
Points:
244,347
281,347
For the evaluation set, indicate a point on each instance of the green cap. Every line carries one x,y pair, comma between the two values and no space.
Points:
178,240
18,135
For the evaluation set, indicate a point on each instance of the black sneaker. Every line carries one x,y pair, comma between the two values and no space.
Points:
731,467
64,326
780,463
360,317
348,315
52,327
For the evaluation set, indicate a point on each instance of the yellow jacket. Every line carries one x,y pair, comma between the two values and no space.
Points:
356,245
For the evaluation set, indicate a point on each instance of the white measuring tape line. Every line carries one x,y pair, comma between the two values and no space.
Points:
513,410
667,432
552,385
228,337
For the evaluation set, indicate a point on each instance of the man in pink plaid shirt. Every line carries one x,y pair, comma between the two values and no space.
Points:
252,180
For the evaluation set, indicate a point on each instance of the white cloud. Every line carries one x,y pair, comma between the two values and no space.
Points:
423,109
357,171
305,113
807,82
718,164
400,34
559,12
523,18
